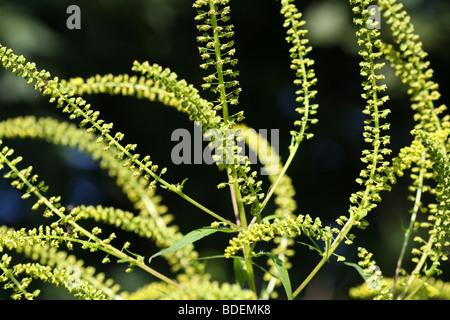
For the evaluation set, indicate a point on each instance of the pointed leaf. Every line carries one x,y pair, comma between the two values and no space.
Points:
284,275
240,272
357,268
189,238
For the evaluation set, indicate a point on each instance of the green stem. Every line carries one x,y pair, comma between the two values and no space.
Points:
247,250
422,262
369,187
105,132
417,269
417,204
103,246
10,275
232,174
281,174
299,137
219,62
164,183
203,208
345,230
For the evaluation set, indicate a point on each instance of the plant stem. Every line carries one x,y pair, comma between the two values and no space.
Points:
363,205
121,255
247,249
235,204
166,184
219,62
105,132
13,279
101,245
417,269
231,171
200,206
422,262
282,173
345,230
408,231
305,118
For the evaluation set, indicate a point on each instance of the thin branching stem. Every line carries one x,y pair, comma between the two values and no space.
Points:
409,230
101,245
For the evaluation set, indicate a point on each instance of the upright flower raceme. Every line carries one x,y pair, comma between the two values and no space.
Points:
373,177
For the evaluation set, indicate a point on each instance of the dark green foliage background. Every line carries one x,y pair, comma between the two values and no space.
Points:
114,33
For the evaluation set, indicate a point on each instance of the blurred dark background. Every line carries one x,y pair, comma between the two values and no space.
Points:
115,33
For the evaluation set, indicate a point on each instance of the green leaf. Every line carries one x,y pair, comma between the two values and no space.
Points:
217,256
240,272
273,216
284,275
311,247
358,268
189,238
361,214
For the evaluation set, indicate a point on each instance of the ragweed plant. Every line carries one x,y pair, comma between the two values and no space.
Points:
252,224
